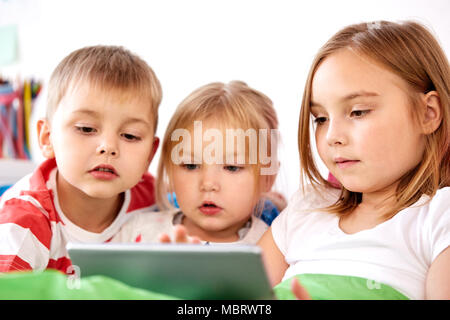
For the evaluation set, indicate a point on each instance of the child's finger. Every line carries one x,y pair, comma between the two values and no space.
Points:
195,240
180,234
164,238
299,291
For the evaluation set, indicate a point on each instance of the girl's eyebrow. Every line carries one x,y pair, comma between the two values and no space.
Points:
351,96
316,106
359,94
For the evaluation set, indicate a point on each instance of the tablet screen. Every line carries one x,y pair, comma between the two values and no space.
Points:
186,271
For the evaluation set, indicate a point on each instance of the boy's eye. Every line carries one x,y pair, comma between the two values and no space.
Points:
190,166
130,137
359,113
84,129
232,168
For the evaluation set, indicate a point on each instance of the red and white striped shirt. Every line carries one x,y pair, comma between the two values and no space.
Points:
34,231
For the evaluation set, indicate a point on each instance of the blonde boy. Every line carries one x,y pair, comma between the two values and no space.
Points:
98,138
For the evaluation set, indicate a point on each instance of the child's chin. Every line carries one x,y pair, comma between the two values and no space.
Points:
102,193
355,186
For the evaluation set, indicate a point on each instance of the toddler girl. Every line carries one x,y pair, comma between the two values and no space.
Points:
219,158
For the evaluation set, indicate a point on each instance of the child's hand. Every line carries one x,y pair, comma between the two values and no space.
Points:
180,236
277,198
299,291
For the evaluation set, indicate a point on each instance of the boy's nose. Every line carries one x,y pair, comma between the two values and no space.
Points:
107,149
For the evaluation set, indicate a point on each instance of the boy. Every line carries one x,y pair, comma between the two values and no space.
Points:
98,138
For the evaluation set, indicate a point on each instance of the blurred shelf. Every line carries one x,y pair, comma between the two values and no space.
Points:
11,170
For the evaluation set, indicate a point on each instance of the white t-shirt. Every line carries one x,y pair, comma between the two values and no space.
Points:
397,252
147,227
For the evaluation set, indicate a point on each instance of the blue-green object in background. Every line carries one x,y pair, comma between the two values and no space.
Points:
8,44
4,188
337,287
55,285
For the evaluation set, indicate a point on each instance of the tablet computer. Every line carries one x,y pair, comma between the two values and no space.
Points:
186,271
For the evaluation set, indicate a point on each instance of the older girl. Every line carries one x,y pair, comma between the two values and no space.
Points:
378,94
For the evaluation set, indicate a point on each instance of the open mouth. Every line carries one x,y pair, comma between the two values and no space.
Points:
209,205
209,208
105,172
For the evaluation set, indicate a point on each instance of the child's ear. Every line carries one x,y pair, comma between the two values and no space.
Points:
155,146
45,144
431,115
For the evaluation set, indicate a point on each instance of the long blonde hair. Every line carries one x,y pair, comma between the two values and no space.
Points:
234,103
410,51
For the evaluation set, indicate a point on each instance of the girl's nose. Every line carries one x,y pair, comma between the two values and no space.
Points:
335,133
209,182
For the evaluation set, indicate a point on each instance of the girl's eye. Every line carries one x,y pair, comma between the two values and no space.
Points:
85,130
320,120
232,168
190,166
130,137
359,113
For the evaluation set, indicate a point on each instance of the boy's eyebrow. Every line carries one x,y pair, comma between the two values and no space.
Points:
138,120
87,112
96,114
351,96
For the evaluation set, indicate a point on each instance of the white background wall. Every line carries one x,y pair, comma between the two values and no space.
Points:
268,44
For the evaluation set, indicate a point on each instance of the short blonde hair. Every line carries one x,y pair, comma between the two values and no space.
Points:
234,104
111,68
410,51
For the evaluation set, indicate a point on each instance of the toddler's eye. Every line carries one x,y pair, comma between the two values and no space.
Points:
359,113
84,129
232,168
130,137
190,166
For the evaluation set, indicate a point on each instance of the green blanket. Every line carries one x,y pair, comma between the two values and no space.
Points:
335,287
54,285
